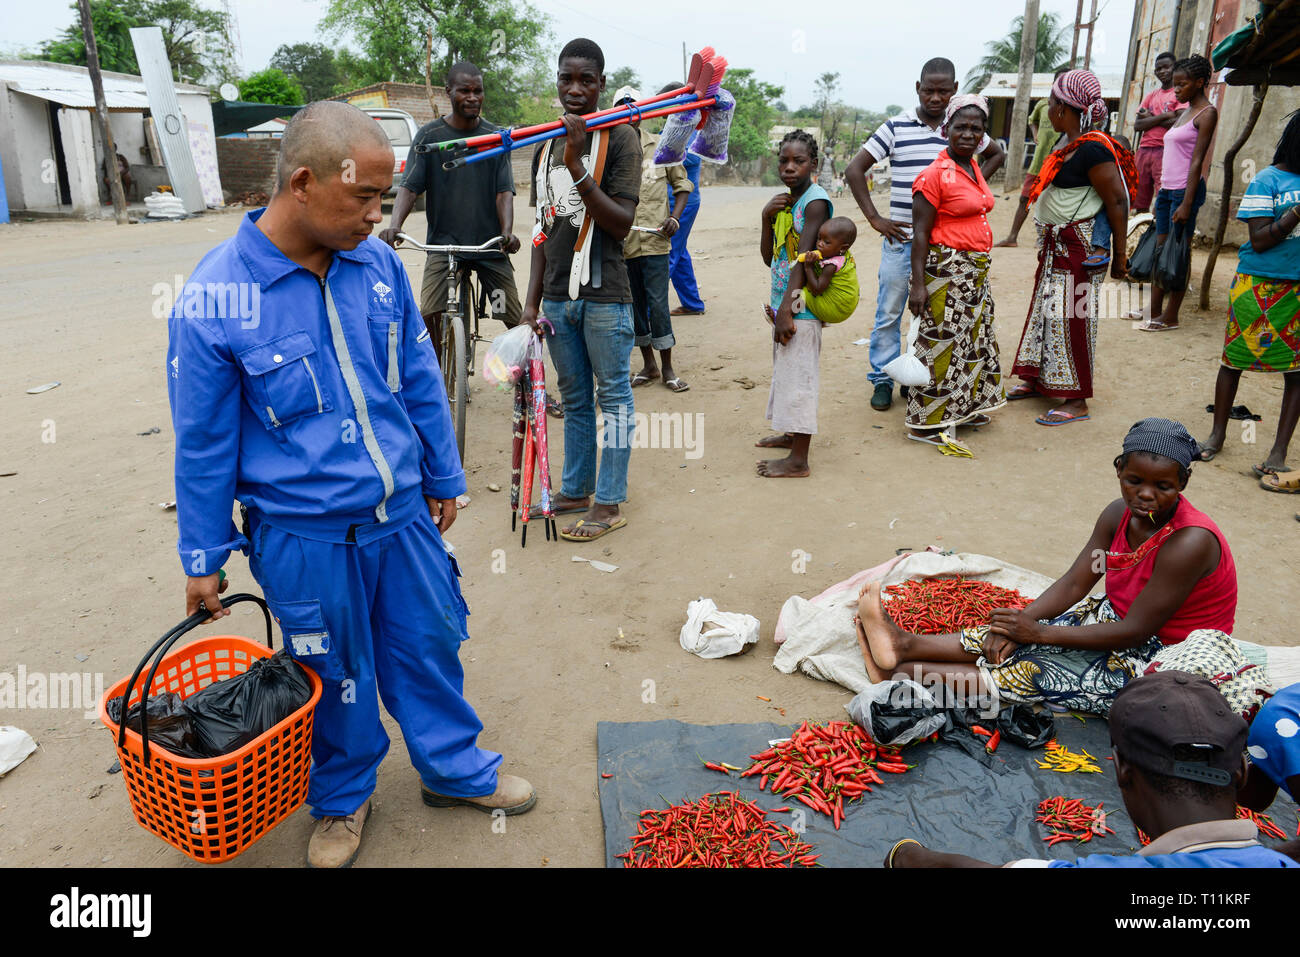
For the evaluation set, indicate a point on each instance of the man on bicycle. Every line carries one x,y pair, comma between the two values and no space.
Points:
466,206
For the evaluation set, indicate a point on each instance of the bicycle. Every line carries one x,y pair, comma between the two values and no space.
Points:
458,341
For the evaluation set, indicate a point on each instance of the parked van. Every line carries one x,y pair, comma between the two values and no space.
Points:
401,128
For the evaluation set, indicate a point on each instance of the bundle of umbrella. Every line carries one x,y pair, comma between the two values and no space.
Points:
529,452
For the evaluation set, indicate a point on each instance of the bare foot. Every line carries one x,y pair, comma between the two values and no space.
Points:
884,638
873,670
782,468
562,504
1006,243
783,441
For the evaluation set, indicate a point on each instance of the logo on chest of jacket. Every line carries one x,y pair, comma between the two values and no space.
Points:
383,294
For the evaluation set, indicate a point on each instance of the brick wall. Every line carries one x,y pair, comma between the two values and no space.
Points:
247,165
410,97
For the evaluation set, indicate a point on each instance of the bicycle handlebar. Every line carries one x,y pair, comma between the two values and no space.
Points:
404,238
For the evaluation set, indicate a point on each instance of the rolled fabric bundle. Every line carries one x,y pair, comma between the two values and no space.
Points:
675,137
710,141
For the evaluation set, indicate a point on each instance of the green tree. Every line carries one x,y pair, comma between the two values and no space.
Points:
197,40
892,109
312,66
1003,56
756,114
623,76
271,86
502,37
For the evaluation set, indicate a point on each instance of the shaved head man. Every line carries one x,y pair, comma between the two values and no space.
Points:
322,411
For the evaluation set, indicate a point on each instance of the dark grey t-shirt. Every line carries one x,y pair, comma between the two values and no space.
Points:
621,179
462,203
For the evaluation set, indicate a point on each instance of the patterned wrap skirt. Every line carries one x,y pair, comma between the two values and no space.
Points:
956,341
1263,330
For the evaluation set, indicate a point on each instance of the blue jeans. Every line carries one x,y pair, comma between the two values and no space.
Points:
648,276
593,340
680,270
891,299
1168,200
1101,231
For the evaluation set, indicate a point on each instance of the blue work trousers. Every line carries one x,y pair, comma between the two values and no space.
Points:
894,279
680,269
383,617
648,276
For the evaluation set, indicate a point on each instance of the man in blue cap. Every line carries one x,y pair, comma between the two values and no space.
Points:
303,383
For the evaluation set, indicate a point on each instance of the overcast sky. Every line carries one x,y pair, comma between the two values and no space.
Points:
876,48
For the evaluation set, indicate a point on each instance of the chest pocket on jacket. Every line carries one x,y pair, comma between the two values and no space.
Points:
385,339
285,384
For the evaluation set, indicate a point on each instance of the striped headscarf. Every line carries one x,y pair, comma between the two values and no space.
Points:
1082,90
1162,437
959,102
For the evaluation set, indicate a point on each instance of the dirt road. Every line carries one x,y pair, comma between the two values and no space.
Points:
90,566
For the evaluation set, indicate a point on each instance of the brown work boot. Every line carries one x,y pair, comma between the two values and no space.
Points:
513,796
337,839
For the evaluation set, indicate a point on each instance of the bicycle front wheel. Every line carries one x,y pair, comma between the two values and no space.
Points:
455,376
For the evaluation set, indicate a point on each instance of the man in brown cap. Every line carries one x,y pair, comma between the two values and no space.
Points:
1179,761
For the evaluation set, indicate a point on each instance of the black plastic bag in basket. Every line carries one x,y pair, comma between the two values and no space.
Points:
170,726
1174,260
1142,264
227,714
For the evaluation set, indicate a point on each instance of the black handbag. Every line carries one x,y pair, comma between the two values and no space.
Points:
1142,264
1174,261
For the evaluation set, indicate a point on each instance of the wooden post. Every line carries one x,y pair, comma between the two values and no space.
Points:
101,116
1225,198
428,74
1092,26
1020,110
1074,45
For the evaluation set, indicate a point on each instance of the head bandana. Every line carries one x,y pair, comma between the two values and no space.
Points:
959,102
1082,90
1162,437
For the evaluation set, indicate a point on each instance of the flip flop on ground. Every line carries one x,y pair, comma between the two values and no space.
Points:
926,439
1151,325
676,384
535,511
605,529
1207,454
1288,482
1021,392
1060,417
1264,470
641,379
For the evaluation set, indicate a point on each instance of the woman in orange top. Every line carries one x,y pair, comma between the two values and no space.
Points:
950,296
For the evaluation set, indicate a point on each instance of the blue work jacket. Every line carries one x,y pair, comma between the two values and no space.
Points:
319,405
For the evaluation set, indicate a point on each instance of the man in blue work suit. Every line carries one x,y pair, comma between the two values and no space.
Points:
303,383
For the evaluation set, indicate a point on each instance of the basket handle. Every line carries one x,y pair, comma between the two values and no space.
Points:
159,651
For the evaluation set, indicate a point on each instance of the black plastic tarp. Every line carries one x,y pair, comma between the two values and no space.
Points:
235,116
957,798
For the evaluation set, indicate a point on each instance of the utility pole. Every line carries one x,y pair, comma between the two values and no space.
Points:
1020,110
101,116
685,71
1092,23
1079,27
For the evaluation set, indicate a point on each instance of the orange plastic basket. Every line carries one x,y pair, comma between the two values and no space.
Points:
212,809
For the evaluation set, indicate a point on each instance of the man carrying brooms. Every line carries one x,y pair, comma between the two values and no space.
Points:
324,414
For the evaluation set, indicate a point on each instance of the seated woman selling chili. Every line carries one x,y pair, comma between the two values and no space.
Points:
1169,575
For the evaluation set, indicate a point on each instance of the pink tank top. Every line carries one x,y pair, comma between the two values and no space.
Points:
1213,600
1180,144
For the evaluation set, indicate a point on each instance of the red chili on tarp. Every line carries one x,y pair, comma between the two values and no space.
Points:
944,605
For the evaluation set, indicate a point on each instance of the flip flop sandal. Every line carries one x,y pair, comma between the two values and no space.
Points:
1262,471
605,529
676,384
975,421
1056,417
1022,392
640,379
1286,482
1149,326
1097,261
926,439
1207,455
1238,412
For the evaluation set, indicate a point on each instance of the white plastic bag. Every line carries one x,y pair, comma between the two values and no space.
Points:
506,354
907,369
904,694
728,631
15,746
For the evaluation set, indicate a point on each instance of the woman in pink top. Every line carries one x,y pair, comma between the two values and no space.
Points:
1182,188
1169,578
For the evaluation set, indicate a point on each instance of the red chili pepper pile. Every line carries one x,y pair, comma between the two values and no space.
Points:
823,766
940,606
718,830
1071,820
1262,821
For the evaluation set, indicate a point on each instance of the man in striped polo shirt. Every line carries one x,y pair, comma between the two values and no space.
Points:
911,141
